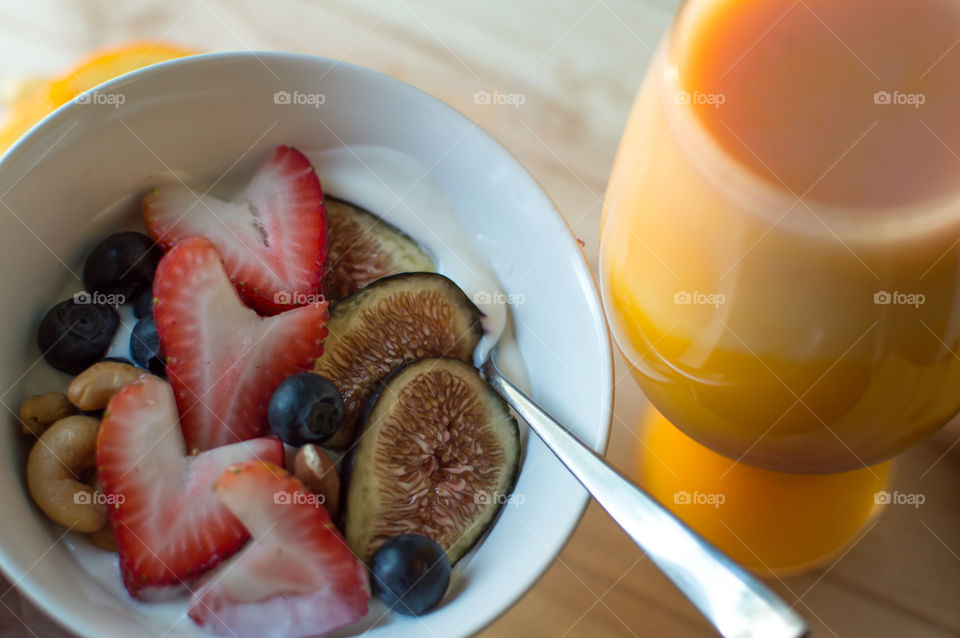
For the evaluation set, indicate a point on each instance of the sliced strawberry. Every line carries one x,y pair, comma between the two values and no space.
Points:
223,359
170,526
297,577
273,237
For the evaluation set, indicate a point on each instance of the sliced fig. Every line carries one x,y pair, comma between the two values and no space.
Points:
391,322
363,248
438,457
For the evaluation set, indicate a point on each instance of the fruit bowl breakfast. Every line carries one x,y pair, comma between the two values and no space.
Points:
243,358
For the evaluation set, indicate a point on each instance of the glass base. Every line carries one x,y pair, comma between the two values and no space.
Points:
773,523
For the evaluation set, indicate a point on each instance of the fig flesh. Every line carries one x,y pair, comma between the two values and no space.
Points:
438,457
363,248
391,322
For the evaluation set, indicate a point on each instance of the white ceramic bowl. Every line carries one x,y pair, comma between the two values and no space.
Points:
200,114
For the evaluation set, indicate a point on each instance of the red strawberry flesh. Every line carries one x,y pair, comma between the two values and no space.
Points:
273,237
296,578
170,526
224,360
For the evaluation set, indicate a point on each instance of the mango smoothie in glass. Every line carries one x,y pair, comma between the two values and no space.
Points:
781,237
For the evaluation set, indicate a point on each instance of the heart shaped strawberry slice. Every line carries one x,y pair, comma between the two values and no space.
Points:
272,237
297,577
223,359
169,525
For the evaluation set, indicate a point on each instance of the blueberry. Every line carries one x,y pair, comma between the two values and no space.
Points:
145,346
305,408
121,264
73,335
410,574
143,303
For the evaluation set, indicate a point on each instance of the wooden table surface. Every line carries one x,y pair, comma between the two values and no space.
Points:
576,65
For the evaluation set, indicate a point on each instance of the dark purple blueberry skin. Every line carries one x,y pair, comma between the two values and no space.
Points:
305,408
145,346
73,336
121,264
411,574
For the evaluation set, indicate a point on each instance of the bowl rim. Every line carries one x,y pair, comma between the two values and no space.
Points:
82,626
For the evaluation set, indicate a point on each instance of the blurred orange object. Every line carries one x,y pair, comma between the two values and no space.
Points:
44,96
770,522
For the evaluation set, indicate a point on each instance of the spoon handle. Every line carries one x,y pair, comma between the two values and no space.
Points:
735,602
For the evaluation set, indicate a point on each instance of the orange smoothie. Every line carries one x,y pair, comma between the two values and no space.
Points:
779,256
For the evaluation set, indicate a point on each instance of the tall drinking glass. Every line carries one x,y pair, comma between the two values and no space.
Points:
780,254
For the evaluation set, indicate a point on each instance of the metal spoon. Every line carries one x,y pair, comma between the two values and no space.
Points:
735,602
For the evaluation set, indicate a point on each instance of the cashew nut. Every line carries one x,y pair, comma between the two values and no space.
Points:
41,411
55,467
92,388
315,470
104,539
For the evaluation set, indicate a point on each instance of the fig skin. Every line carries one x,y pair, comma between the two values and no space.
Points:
392,322
363,494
